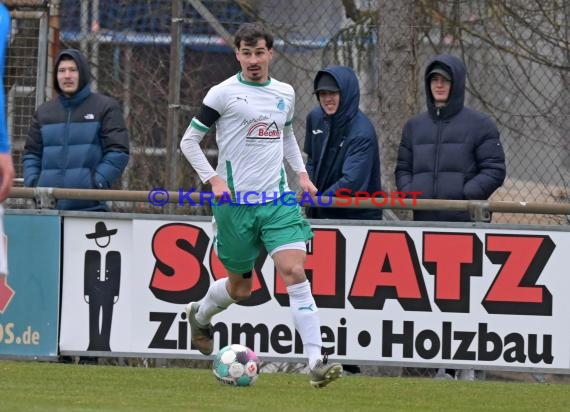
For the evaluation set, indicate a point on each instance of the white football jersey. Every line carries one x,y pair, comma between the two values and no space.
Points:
254,117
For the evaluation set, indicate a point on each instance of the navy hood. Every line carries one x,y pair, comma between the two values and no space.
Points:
456,68
349,93
82,66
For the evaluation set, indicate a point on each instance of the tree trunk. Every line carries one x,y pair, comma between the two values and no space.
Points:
398,78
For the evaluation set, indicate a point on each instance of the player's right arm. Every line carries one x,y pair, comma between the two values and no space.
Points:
190,146
190,143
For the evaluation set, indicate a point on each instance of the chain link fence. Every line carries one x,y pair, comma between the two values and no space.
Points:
158,58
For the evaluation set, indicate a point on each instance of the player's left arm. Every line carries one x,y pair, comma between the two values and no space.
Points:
292,154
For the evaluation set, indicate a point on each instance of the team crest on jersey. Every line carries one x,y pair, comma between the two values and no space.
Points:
281,104
264,130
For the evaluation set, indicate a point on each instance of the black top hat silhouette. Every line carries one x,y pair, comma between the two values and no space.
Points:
100,231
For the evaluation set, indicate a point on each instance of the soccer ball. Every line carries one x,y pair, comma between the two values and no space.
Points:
236,365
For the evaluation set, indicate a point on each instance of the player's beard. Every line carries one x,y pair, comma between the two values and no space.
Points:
255,73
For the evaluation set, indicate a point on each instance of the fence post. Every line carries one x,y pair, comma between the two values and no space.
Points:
173,117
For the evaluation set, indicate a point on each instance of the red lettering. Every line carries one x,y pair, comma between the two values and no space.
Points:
179,276
268,133
522,259
388,269
414,196
397,197
360,195
381,194
452,271
340,195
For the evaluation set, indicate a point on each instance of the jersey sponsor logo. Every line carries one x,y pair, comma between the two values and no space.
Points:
264,131
259,119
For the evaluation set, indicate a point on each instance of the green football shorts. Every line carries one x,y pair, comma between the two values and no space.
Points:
242,229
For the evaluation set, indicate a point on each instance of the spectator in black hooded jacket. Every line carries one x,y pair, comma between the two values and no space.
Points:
450,151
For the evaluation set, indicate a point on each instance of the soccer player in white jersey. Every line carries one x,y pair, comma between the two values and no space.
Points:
253,114
6,165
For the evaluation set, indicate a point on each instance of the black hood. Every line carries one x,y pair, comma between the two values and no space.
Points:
82,66
456,68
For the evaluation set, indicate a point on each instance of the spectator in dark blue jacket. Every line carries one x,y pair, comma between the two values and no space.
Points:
341,144
78,139
450,151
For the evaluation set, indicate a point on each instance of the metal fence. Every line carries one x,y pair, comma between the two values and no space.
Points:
159,57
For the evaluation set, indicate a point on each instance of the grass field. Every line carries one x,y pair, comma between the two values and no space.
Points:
38,386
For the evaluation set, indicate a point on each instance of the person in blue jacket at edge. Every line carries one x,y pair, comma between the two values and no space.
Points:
449,151
77,139
6,164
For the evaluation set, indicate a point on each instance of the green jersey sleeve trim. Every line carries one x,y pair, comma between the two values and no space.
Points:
196,124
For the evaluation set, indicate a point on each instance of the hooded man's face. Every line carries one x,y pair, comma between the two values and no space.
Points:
440,88
329,101
68,76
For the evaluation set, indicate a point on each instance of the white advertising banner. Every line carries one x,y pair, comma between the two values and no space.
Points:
396,295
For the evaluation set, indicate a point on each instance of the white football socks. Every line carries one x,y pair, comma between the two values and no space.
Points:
217,299
306,319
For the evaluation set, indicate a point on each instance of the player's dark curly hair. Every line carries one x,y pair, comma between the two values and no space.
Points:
250,33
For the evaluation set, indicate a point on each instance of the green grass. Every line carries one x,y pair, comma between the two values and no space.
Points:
38,386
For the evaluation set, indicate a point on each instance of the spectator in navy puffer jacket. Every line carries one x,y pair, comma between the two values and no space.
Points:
450,151
78,139
341,145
